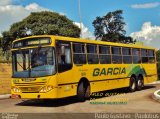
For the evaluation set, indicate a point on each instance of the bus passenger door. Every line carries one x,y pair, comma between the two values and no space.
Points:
64,66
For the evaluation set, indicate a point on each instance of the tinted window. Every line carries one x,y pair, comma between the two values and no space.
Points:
104,50
104,54
136,51
116,50
91,49
92,55
78,48
126,51
136,55
116,59
79,55
116,55
144,55
63,51
127,58
144,52
151,57
151,53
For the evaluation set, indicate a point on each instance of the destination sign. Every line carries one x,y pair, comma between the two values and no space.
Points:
36,42
32,42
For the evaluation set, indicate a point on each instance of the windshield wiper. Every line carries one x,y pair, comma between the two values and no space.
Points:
20,65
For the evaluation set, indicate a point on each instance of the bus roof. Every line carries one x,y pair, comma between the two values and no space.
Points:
90,41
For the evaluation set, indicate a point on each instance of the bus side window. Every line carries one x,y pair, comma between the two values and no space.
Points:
104,54
63,51
116,55
127,57
151,56
79,54
144,55
136,55
92,55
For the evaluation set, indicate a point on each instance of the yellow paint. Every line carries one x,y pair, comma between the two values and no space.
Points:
73,76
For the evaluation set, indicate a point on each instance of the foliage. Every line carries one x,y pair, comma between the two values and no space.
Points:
5,57
0,41
111,28
158,55
6,40
158,61
40,23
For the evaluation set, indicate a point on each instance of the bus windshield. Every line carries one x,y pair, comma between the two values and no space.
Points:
35,62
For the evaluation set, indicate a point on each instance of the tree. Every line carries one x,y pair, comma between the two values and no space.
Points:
0,42
158,61
158,55
6,40
111,28
40,23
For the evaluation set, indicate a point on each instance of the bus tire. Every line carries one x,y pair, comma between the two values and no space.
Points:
132,85
81,92
87,92
140,83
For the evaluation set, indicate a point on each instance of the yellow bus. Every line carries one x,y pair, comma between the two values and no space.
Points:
49,67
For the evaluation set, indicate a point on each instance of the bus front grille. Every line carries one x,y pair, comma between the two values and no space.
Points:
30,89
31,84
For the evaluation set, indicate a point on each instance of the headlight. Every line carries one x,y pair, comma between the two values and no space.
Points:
16,90
15,80
46,89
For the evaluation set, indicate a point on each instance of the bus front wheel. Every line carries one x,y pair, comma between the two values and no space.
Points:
132,86
83,91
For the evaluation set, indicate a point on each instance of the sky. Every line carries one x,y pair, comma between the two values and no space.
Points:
142,17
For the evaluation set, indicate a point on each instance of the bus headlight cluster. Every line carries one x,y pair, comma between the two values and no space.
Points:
16,90
46,89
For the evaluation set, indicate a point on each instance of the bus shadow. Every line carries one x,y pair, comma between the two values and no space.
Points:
49,102
73,99
115,92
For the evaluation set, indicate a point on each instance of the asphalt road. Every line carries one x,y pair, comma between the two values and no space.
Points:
139,101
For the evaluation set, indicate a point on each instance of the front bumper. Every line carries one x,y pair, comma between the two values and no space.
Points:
48,95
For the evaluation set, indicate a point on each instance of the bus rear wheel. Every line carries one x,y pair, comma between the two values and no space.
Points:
132,86
140,83
83,91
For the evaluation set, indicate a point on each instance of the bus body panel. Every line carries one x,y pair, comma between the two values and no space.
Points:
100,76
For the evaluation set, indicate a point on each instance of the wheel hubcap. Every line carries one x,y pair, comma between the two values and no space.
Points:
139,82
133,85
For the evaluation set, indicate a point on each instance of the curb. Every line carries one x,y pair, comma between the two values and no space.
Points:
156,96
5,96
156,82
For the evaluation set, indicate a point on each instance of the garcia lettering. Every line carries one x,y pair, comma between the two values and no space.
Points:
109,71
